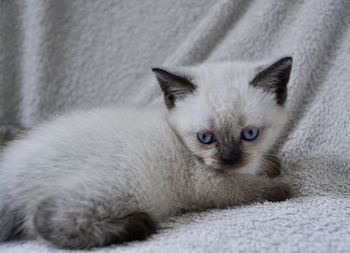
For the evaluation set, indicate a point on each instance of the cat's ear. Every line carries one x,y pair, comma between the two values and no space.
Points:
274,78
174,85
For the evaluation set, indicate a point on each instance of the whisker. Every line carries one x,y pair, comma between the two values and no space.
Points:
269,163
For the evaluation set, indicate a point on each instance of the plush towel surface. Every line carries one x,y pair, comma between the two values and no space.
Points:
57,55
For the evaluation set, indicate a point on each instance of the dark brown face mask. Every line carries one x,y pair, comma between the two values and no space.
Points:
230,152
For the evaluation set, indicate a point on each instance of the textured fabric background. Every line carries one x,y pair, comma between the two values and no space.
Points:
57,55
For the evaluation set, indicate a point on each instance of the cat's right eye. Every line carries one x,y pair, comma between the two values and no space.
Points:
206,137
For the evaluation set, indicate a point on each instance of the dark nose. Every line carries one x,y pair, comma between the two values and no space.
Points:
230,153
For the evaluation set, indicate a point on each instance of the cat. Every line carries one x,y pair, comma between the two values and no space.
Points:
109,175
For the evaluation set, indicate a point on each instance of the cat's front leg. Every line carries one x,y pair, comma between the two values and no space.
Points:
260,188
221,189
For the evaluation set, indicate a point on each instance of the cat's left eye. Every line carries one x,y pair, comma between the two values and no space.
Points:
250,133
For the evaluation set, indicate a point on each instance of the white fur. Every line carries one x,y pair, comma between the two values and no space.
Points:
131,158
224,96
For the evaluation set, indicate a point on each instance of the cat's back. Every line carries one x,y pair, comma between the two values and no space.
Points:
97,124
89,139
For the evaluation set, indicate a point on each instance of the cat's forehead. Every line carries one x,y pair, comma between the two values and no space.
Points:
227,97
226,85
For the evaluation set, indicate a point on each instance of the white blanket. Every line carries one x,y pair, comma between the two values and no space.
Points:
57,55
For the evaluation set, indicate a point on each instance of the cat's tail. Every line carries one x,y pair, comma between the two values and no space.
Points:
10,223
78,227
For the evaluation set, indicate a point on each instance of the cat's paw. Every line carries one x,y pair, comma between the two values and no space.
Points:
137,226
279,192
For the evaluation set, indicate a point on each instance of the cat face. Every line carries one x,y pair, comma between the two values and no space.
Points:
227,114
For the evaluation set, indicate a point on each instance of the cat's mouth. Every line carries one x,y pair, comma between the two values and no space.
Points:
217,165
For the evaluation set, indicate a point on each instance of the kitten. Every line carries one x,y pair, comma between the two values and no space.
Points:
105,176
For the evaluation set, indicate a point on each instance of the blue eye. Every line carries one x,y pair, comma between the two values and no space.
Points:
206,137
250,133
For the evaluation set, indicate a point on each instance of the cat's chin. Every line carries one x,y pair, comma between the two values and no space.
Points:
250,168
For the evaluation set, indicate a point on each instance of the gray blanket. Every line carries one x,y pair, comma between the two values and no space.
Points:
56,55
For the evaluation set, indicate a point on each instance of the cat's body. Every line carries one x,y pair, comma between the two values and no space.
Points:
109,175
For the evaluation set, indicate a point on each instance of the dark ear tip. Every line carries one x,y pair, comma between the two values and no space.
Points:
287,60
155,70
